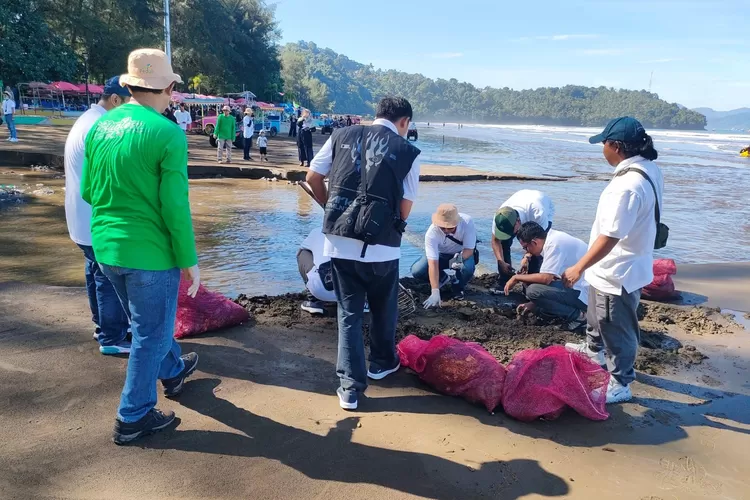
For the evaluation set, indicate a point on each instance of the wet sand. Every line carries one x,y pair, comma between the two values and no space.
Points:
45,145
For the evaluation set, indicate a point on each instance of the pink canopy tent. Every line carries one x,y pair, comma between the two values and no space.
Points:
93,88
63,87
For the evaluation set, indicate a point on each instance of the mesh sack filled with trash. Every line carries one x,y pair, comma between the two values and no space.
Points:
206,312
542,383
662,287
455,368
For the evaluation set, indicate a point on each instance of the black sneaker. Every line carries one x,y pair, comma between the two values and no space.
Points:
347,399
173,386
313,307
154,421
377,373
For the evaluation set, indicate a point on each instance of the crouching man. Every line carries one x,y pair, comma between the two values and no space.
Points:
449,243
546,293
315,269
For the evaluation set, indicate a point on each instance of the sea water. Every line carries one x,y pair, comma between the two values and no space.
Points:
251,231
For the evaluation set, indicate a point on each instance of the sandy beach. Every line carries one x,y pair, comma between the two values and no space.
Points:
260,419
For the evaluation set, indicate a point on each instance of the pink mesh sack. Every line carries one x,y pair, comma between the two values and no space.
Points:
542,383
207,311
455,368
662,287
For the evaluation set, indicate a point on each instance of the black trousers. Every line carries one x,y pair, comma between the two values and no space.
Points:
248,143
293,129
304,145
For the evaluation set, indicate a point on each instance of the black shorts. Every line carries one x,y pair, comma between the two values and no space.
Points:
263,150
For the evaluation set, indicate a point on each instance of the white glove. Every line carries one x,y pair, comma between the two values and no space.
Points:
434,300
193,274
457,262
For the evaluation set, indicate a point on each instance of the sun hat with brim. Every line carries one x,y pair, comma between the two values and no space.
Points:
113,87
150,69
446,216
623,129
248,111
505,223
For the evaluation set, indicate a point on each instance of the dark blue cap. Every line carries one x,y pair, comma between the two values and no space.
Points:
113,87
623,129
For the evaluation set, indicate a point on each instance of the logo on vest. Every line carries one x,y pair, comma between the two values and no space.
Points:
376,149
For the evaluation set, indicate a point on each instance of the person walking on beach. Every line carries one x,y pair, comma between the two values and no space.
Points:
304,141
526,205
546,293
263,145
450,243
224,133
135,178
9,108
183,118
373,177
110,319
619,261
248,129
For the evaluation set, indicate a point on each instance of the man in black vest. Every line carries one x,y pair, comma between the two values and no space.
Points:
373,174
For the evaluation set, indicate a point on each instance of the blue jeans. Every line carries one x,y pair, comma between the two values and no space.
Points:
11,125
151,298
353,282
106,310
420,270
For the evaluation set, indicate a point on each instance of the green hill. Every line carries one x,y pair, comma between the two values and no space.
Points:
328,81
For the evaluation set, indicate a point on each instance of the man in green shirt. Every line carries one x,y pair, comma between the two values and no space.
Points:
135,178
225,133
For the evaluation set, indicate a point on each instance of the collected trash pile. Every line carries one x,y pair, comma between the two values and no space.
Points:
206,312
537,383
662,287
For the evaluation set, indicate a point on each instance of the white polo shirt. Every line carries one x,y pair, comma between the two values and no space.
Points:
77,211
626,211
532,206
560,252
314,242
437,242
9,106
183,118
348,248
248,127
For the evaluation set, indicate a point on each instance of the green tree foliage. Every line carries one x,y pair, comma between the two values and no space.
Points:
233,42
29,50
355,88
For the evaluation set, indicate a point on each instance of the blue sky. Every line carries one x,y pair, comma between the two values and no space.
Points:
699,51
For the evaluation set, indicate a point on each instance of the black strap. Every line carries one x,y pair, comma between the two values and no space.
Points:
362,177
454,240
657,212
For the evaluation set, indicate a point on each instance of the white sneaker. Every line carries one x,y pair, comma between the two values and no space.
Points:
618,393
583,347
14,140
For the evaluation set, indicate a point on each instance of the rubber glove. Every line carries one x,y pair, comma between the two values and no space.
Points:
192,274
457,262
434,300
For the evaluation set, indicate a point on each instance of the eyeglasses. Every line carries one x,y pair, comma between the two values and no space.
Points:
526,245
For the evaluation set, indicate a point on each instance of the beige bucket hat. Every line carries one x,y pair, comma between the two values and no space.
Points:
150,69
446,216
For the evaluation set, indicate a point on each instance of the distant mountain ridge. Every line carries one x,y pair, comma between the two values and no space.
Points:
738,119
331,82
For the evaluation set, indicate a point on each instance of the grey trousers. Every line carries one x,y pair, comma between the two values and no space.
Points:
556,300
613,326
305,262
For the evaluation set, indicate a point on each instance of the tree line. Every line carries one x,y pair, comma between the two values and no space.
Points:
217,45
332,82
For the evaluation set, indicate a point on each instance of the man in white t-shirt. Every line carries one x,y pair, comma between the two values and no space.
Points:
363,235
449,243
526,205
9,108
546,293
248,129
619,261
183,117
110,320
315,269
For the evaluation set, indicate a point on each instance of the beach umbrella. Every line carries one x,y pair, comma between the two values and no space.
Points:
93,88
63,87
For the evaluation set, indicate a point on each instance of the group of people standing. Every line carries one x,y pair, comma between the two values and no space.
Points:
373,174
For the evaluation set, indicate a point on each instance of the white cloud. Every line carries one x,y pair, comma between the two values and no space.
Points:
660,61
446,55
557,38
602,52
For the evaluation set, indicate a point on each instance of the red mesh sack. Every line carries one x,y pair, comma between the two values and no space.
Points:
455,368
541,383
662,287
207,311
